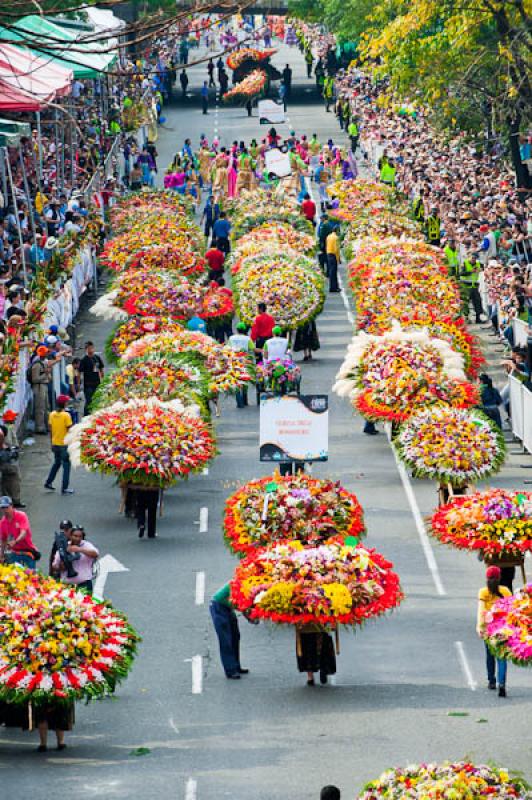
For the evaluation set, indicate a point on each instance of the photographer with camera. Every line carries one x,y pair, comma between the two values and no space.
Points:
9,466
61,542
16,543
75,560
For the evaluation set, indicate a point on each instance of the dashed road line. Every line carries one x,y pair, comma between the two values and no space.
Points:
191,789
464,663
199,594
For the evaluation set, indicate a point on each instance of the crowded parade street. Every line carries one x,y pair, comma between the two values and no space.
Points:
266,503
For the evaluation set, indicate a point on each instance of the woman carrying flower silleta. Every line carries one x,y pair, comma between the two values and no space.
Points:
487,596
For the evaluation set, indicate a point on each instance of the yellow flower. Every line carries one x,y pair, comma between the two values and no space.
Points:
340,598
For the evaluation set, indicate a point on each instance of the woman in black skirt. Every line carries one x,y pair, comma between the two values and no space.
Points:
54,717
315,653
307,339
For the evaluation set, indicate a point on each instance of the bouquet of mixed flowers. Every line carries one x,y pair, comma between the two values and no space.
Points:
293,289
379,226
332,584
309,510
508,631
169,258
453,331
256,208
150,231
143,442
279,375
459,781
496,522
393,375
277,235
181,377
145,293
228,369
249,87
451,445
357,196
58,643
135,328
147,201
216,304
236,59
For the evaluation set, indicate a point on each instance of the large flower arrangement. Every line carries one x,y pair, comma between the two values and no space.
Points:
250,86
378,226
311,511
394,375
293,289
279,375
135,328
277,235
57,643
171,259
508,631
143,442
166,377
328,585
495,522
144,293
229,369
152,230
354,196
256,208
145,202
451,445
456,781
453,331
236,59
217,304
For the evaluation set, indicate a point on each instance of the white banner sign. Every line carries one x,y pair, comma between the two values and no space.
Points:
278,163
270,112
294,428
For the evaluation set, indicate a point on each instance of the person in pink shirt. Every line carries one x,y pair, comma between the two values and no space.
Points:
16,543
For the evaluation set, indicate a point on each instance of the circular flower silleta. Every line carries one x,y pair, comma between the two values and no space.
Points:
58,643
293,290
154,229
508,631
179,376
461,780
394,375
451,445
143,442
276,235
309,510
495,522
134,328
228,368
327,585
171,258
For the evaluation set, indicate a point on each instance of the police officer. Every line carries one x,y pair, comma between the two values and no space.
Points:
469,278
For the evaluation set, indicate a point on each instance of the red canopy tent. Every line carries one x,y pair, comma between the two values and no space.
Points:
27,72
15,100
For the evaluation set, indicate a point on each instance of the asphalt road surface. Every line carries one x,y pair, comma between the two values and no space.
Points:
269,736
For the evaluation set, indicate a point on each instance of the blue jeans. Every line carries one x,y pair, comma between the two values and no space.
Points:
61,459
20,558
241,396
501,668
226,626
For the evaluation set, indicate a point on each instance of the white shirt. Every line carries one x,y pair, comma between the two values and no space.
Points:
239,342
276,347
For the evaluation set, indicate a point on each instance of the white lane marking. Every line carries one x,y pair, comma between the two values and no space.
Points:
464,663
197,674
191,789
350,318
204,520
420,525
107,564
200,588
173,725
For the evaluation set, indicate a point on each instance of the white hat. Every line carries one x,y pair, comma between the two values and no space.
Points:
51,243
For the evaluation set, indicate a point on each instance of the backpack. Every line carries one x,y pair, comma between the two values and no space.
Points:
29,375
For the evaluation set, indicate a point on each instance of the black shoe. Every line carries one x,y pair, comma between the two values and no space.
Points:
235,677
141,531
243,671
42,748
323,678
310,682
19,505
492,685
61,746
371,433
152,536
502,691
49,487
67,491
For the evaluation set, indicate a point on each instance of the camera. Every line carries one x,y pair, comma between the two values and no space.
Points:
61,543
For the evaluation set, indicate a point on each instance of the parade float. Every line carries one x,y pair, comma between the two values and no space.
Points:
249,88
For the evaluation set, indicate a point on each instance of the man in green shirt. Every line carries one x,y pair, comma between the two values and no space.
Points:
226,626
352,131
469,279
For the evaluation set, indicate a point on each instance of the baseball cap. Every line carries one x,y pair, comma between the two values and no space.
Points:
491,572
5,501
65,524
277,330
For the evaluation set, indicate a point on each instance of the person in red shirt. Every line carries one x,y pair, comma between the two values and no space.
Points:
15,535
263,326
215,259
308,207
